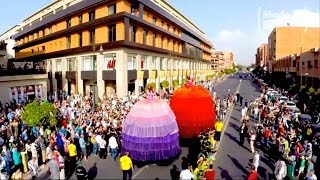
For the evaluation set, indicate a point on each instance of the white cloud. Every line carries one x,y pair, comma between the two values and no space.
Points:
227,36
244,44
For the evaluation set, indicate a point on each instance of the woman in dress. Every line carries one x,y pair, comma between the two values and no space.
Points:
24,160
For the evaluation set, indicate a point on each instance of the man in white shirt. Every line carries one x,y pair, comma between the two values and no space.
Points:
102,146
114,147
186,174
311,176
256,159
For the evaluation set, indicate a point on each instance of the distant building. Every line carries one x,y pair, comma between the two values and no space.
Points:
222,60
262,58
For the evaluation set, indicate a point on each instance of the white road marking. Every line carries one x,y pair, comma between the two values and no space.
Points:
226,122
140,171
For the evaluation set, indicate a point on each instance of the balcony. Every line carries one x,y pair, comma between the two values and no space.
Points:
16,72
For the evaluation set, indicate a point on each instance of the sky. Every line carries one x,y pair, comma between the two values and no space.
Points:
239,26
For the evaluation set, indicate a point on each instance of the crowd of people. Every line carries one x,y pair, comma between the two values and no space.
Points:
272,127
82,130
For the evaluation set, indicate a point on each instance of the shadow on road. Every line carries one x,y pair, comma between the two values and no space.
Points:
238,165
225,174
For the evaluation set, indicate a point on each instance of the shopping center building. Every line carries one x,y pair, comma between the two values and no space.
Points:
112,46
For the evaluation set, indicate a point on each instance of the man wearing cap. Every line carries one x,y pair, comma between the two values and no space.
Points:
126,166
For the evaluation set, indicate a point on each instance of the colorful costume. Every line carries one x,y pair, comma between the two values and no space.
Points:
150,131
194,109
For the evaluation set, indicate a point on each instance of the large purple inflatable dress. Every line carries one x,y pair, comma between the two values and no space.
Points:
150,131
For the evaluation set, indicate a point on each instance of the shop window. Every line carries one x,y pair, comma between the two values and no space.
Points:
58,65
144,62
132,62
109,61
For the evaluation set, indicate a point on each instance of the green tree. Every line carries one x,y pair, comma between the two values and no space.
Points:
175,83
49,112
165,84
311,90
32,114
184,81
35,114
153,85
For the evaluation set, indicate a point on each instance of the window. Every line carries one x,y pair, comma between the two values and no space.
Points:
109,61
144,36
153,64
31,50
58,65
112,9
112,33
92,36
80,39
80,19
144,62
162,41
168,27
50,30
89,63
92,15
162,24
174,30
68,23
154,20
132,62
302,64
309,65
154,37
162,63
68,42
168,64
43,48
294,63
316,63
71,64
134,10
132,35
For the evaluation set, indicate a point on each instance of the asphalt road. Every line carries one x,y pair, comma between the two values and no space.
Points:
232,159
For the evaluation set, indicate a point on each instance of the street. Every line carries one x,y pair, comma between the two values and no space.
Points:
232,159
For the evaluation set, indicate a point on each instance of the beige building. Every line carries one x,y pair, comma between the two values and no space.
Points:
262,55
222,60
284,41
107,47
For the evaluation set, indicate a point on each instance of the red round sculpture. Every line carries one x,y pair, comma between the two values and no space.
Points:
194,110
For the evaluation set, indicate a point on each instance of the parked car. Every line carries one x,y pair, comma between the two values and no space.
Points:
305,118
291,104
296,111
283,99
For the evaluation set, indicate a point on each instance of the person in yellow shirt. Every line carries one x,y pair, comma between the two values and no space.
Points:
218,127
72,150
126,166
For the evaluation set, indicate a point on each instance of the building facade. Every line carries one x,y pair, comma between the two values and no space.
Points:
262,58
113,46
222,60
284,41
301,68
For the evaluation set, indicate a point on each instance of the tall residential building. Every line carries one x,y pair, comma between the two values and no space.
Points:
262,55
112,46
284,41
